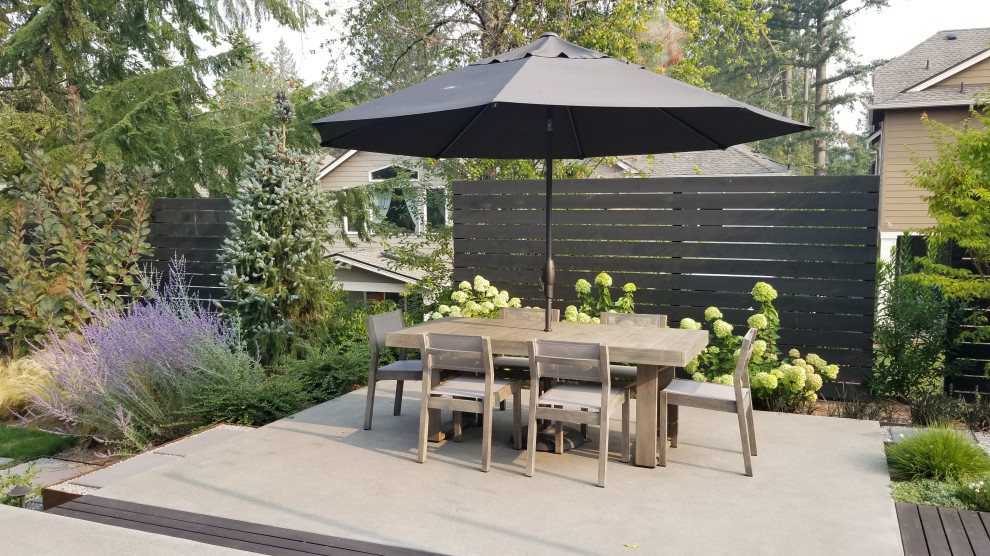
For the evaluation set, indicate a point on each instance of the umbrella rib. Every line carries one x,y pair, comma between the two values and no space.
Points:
692,128
463,130
577,140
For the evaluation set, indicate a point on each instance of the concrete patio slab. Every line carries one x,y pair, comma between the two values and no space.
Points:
199,441
4,461
29,532
820,487
123,470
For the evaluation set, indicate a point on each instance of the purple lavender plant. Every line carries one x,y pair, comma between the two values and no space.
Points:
130,376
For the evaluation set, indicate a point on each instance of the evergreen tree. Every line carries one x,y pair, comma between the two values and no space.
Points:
275,265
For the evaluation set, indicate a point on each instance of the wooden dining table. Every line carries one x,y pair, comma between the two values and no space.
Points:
654,351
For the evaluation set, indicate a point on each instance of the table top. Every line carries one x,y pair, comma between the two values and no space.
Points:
628,344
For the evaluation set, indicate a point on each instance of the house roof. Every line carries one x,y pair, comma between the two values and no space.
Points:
374,259
909,80
736,160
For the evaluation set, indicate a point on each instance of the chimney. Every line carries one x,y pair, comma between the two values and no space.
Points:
950,37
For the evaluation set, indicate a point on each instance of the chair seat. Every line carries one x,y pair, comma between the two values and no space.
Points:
720,392
578,395
403,369
466,386
508,362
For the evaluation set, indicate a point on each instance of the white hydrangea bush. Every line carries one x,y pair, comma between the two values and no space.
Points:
780,382
477,299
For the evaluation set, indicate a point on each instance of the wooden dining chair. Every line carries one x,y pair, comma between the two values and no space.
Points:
574,402
736,399
474,390
628,372
512,363
378,327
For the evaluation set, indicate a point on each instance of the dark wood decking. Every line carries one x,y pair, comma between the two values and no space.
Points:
242,535
928,530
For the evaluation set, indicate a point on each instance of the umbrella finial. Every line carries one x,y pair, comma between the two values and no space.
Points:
549,34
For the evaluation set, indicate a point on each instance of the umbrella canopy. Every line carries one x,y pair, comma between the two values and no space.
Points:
549,99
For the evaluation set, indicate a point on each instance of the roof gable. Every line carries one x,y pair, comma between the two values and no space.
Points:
911,79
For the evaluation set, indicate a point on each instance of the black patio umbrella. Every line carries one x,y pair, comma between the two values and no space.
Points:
584,103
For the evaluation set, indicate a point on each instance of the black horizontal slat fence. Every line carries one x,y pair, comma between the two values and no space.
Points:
689,243
194,229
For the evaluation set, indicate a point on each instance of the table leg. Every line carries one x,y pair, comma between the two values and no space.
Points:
646,415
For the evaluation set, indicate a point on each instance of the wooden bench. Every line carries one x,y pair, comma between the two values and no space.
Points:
218,531
929,530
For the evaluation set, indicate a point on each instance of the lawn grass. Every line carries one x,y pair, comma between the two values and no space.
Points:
21,443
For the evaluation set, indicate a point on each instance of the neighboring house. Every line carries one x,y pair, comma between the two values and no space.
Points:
941,77
734,161
366,270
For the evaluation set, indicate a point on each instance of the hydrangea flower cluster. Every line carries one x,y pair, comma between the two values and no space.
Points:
478,299
779,382
589,306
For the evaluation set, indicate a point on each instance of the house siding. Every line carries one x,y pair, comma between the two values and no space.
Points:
978,73
905,136
357,169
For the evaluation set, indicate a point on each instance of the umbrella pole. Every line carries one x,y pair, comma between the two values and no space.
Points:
548,269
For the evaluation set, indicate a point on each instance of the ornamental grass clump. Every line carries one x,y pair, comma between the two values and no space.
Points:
130,378
940,452
20,379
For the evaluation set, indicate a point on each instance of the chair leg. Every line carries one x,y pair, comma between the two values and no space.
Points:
458,425
625,429
672,413
558,437
486,437
517,419
603,430
398,398
424,425
531,438
744,437
662,424
369,405
752,427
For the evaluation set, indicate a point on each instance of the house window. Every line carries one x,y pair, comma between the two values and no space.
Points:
347,226
436,207
398,213
391,172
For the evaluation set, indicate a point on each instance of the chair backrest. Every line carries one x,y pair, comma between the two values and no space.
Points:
380,325
740,378
457,352
569,361
634,319
527,313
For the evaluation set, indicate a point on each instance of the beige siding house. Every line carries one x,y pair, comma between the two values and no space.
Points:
941,77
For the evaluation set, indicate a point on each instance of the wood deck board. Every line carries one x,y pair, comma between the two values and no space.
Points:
931,523
977,533
912,535
931,531
242,535
955,534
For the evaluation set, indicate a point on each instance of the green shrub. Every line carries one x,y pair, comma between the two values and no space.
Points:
913,332
976,495
940,453
929,409
976,414
9,480
334,370
75,235
929,492
248,403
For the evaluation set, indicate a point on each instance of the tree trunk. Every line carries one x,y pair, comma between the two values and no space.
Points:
821,91
807,95
788,77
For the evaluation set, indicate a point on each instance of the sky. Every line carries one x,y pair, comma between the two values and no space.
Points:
885,34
